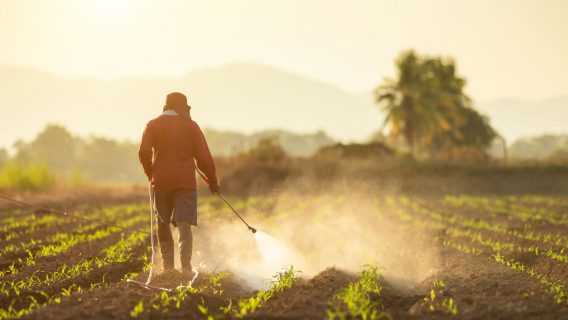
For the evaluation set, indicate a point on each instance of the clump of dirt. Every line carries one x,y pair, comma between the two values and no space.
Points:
306,299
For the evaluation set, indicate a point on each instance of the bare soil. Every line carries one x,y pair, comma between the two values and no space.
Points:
481,287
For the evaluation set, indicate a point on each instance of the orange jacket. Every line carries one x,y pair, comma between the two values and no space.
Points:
169,145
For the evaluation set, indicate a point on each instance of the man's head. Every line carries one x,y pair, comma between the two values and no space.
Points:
178,102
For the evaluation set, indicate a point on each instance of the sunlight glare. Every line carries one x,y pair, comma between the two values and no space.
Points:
273,251
109,10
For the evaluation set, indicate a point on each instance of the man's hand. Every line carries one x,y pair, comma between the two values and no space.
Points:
215,189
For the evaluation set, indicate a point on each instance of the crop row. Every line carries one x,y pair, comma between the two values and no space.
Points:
166,301
497,246
66,242
23,296
15,249
104,215
14,227
186,297
533,201
481,239
558,240
484,240
552,286
509,209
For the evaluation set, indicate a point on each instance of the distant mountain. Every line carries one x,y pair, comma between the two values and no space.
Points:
517,118
243,97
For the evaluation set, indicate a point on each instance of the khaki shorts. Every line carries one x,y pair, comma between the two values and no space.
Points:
176,206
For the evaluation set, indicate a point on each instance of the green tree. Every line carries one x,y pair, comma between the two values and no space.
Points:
54,146
427,106
3,157
109,160
473,131
268,150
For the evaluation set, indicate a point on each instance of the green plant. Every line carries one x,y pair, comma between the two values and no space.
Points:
357,297
166,300
33,176
437,301
138,309
281,281
205,312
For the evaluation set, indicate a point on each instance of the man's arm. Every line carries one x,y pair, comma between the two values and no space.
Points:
145,151
205,161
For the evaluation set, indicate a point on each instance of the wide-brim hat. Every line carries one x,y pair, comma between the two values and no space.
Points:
176,100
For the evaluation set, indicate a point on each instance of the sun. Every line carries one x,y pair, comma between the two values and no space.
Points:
109,10
113,4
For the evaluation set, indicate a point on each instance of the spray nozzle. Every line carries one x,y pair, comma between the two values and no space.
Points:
252,229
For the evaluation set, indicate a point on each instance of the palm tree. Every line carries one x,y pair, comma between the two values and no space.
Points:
399,99
473,131
424,101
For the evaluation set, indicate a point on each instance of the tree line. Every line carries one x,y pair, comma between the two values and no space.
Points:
56,150
93,158
427,112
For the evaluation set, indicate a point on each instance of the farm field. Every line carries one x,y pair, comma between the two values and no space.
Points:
316,257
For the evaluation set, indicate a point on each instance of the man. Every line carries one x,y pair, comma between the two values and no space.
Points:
170,144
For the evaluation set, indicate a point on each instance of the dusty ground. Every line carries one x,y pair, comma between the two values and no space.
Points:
480,287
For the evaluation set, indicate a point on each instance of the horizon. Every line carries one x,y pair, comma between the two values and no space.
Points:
132,137
516,57
248,62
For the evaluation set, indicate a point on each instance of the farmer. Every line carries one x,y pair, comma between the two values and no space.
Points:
170,143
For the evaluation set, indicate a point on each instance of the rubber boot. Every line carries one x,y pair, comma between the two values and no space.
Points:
167,250
185,248
166,244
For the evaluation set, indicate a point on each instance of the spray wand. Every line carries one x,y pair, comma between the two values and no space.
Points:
253,230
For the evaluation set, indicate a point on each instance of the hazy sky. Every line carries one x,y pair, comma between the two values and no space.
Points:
510,48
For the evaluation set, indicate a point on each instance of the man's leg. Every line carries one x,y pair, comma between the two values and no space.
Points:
164,207
185,213
166,245
185,246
